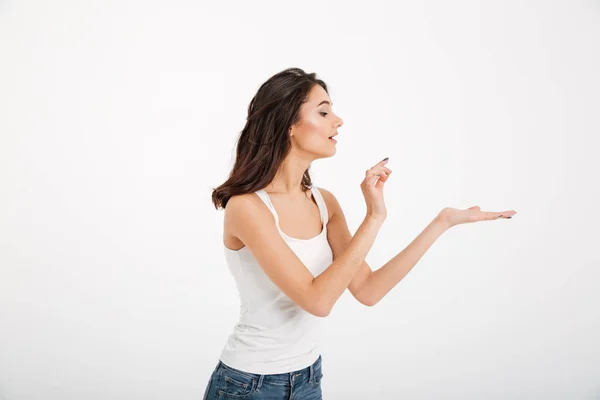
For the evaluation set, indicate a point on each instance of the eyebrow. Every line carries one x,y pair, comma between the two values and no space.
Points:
325,101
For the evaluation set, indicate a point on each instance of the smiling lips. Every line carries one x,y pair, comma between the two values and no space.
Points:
331,138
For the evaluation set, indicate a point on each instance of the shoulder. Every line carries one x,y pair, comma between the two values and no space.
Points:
239,200
244,206
333,206
327,195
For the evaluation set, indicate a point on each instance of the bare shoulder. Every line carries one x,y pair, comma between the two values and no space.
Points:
333,206
240,207
239,200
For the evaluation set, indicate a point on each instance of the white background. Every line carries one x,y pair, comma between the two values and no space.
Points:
117,119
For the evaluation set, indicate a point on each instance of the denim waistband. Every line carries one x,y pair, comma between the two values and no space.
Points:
284,378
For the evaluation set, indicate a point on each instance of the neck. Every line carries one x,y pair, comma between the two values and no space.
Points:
288,180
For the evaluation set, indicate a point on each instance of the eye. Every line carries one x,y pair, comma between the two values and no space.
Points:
323,113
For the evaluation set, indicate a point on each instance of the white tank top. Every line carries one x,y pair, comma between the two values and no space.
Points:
274,335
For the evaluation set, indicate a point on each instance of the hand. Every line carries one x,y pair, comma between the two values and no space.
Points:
372,188
452,216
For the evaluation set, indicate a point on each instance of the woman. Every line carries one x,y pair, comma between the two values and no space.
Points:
288,246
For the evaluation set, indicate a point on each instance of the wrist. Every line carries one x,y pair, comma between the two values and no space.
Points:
375,217
441,222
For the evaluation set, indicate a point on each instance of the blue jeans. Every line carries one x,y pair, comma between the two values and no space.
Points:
230,383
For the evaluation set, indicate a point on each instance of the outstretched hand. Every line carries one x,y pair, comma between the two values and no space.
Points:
453,216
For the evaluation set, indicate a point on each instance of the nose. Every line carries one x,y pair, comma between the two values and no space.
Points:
340,122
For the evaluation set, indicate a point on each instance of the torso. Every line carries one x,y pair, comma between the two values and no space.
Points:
299,219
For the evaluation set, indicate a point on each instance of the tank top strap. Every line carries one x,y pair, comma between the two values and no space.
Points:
267,200
321,203
316,194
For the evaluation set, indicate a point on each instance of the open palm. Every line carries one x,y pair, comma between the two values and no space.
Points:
453,216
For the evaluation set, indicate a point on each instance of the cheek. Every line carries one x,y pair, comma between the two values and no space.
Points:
316,124
313,130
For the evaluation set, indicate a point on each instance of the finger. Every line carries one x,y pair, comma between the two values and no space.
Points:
497,215
373,179
485,216
506,214
494,215
375,174
378,169
372,172
383,177
382,180
382,162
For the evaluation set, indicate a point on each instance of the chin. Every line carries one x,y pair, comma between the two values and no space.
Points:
331,153
325,151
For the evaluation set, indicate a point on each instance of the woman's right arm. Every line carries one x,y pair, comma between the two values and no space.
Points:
332,283
251,221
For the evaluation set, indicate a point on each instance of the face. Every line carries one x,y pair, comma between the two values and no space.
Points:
311,134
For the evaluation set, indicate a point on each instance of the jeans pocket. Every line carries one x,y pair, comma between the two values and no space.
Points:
235,386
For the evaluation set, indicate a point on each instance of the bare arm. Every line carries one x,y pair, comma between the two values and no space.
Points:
332,283
368,286
381,281
253,224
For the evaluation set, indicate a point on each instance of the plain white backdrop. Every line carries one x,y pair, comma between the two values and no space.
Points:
117,119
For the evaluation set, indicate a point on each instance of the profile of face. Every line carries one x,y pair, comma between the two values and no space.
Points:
311,134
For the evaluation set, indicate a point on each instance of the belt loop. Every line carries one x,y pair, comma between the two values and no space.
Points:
311,374
260,380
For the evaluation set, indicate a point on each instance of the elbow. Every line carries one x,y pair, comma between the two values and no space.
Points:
368,302
365,298
320,309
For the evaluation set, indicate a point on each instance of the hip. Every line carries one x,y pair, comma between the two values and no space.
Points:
229,383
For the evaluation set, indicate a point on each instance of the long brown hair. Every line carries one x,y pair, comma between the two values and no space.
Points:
264,142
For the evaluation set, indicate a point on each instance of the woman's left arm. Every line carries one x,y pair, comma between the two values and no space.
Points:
369,286
381,281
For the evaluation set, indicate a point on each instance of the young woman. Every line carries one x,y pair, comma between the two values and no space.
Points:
288,246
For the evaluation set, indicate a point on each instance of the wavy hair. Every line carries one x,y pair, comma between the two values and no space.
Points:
264,142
